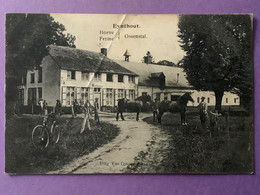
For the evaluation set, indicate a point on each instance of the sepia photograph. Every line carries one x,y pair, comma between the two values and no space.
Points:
129,94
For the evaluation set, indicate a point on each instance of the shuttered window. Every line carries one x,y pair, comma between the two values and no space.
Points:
109,97
131,94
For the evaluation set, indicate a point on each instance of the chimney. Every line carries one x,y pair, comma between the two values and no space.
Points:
104,51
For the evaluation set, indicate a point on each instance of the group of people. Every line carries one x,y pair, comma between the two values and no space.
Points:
87,108
75,108
43,105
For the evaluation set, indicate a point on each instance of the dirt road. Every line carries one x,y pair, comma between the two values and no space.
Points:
135,139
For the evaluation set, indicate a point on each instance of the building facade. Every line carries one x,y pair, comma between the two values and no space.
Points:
69,74
65,77
167,82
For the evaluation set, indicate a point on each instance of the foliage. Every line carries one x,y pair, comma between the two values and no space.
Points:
27,36
185,149
22,157
166,63
180,63
148,58
218,53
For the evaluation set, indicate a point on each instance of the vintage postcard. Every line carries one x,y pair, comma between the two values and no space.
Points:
99,94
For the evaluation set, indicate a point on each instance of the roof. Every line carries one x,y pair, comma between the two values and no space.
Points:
147,72
77,59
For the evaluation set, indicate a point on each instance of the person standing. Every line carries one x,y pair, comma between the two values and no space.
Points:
203,111
96,110
58,107
41,106
87,113
155,107
121,108
45,105
75,107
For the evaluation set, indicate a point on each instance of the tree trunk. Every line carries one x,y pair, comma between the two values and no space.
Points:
218,95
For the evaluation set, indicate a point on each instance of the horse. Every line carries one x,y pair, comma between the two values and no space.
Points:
179,106
125,104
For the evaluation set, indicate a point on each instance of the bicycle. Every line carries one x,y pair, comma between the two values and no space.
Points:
41,134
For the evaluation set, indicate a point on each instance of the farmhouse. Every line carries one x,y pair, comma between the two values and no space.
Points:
68,74
167,82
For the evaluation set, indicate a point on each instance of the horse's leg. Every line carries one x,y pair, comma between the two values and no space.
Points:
137,115
117,113
182,118
160,117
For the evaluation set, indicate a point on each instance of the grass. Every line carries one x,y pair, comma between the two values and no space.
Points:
191,150
23,158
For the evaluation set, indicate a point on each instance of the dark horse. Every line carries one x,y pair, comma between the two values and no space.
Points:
179,106
124,104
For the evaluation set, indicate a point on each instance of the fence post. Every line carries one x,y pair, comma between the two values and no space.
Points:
53,110
227,124
32,109
72,111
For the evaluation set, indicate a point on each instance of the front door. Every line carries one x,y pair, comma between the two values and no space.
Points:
98,95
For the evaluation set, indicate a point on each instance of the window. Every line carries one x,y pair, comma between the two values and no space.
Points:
40,75
84,76
71,74
21,96
70,95
131,79
208,100
97,77
198,99
165,96
32,77
144,93
120,93
32,96
110,77
226,100
131,94
109,97
39,92
97,90
84,94
120,78
235,100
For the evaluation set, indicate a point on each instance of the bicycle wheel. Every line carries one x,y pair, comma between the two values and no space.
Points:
55,136
40,137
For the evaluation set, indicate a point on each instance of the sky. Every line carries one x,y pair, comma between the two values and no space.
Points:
94,31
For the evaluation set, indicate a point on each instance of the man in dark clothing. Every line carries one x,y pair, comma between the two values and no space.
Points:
121,108
58,107
96,109
45,106
203,111
75,107
155,107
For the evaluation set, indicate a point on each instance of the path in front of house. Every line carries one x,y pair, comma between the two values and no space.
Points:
114,157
